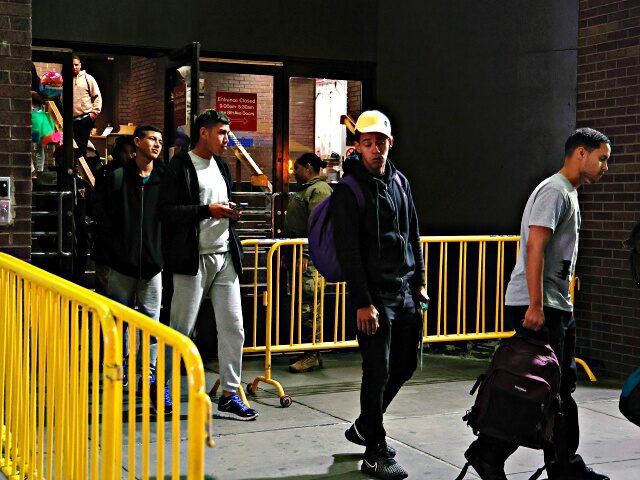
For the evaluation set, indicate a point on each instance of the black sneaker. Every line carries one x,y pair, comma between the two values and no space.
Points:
379,464
575,470
153,395
233,407
353,435
485,470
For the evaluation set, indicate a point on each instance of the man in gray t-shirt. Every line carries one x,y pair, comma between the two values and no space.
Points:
553,205
538,304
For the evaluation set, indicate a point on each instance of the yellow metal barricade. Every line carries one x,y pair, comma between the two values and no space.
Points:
283,300
466,277
149,431
254,286
60,412
61,395
472,293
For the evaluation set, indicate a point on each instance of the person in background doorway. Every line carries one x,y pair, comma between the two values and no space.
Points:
87,104
123,151
538,304
379,252
312,190
129,241
204,253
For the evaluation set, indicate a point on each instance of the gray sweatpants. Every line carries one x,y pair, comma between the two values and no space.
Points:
217,279
145,295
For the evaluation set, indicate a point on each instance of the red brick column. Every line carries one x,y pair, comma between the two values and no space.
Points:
608,88
15,121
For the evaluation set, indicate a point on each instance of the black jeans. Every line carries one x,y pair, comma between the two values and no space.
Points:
389,358
560,331
82,127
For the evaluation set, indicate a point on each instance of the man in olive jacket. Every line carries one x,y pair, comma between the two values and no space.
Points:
312,191
203,251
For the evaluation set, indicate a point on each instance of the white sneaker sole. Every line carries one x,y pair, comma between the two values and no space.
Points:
233,416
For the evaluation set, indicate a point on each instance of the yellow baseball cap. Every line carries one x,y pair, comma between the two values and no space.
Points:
374,121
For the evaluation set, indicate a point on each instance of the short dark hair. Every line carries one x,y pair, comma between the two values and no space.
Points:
586,137
312,159
120,143
76,57
141,131
208,118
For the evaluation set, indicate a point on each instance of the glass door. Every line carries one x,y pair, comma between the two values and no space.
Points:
54,193
181,98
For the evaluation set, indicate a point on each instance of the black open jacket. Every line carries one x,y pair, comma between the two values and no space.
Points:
378,249
128,232
181,213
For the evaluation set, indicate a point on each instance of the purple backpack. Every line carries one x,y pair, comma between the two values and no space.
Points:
321,246
518,397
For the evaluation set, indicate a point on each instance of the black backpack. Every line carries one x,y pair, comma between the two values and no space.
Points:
630,398
633,244
518,397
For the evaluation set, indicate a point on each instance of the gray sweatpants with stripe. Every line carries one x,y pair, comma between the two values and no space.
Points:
217,279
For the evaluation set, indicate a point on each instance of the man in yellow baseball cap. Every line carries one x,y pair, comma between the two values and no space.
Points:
378,248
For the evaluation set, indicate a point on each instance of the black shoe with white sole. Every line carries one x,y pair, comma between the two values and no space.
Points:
354,436
379,464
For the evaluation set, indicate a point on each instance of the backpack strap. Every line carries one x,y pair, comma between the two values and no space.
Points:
537,473
396,177
355,187
464,471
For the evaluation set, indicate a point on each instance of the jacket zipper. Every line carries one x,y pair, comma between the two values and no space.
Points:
141,229
396,222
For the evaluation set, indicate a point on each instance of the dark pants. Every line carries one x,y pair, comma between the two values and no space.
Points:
389,358
82,127
560,331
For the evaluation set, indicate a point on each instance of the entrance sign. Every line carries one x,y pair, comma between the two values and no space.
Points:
241,108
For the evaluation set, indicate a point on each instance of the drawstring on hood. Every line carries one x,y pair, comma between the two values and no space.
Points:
353,165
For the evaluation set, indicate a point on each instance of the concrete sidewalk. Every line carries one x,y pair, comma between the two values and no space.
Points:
306,440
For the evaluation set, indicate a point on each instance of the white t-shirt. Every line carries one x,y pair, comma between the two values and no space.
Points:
553,204
214,232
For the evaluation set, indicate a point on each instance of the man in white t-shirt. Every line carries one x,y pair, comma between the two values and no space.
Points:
538,304
203,251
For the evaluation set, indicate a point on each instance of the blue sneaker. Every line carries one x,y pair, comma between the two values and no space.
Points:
153,393
233,407
152,380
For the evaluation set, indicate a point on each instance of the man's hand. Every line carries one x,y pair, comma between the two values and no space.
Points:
367,320
534,318
421,295
92,115
222,210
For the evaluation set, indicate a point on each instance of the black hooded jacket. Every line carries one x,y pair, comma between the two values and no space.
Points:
379,248
128,235
181,213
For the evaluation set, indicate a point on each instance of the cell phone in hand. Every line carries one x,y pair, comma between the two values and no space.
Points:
240,205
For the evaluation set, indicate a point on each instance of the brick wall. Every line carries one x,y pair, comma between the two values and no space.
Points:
144,93
124,111
302,117
262,85
15,121
608,88
354,98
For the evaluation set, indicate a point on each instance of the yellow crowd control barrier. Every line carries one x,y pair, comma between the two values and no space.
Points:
61,393
465,281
